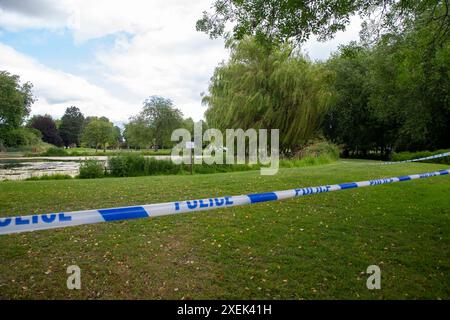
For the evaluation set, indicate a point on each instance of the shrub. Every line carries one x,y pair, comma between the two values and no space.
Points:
402,156
132,165
91,169
55,152
319,149
21,137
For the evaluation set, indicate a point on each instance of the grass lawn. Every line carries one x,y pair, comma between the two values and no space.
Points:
315,247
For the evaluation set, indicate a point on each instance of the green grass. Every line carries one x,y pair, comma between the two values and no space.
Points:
315,247
401,156
24,150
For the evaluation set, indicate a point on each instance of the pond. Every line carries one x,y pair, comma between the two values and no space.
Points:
17,168
20,170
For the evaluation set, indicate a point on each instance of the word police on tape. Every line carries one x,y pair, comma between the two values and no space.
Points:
64,219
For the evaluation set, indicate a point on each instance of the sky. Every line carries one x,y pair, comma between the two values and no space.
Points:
107,56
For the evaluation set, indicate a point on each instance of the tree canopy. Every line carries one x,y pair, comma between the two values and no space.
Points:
162,117
71,127
99,132
277,21
15,101
47,126
393,94
261,89
138,133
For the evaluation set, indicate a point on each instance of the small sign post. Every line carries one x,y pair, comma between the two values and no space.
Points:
191,145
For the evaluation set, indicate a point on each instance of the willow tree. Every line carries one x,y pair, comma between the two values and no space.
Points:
271,88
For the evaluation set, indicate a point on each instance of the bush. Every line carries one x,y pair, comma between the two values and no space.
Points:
91,169
21,137
132,165
402,156
55,152
320,149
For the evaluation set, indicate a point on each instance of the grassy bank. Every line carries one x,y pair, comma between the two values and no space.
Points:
311,247
402,156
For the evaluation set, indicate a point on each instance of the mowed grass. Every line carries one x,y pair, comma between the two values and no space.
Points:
314,247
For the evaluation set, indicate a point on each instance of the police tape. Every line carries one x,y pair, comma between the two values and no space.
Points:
18,224
436,156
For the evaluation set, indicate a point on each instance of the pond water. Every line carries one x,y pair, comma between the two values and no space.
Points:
18,170
23,168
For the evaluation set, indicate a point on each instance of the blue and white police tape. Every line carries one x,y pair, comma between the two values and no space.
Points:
65,219
441,155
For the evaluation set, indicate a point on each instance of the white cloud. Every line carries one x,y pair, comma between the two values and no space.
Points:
157,51
58,90
164,55
17,15
321,50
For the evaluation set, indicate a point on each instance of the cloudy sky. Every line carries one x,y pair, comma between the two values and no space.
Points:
107,56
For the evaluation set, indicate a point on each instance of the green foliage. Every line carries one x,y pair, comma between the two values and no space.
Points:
21,137
55,152
276,21
99,132
138,133
15,103
47,128
162,118
32,149
153,126
261,88
71,126
132,165
393,95
406,155
321,148
91,169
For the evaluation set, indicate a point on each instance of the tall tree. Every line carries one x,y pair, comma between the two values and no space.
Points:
162,117
71,127
273,21
394,93
47,126
350,121
276,89
117,137
138,133
15,102
99,133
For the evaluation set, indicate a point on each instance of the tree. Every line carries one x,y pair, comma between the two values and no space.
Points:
391,91
276,89
71,127
117,137
15,102
98,133
162,117
188,124
277,21
138,133
47,126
